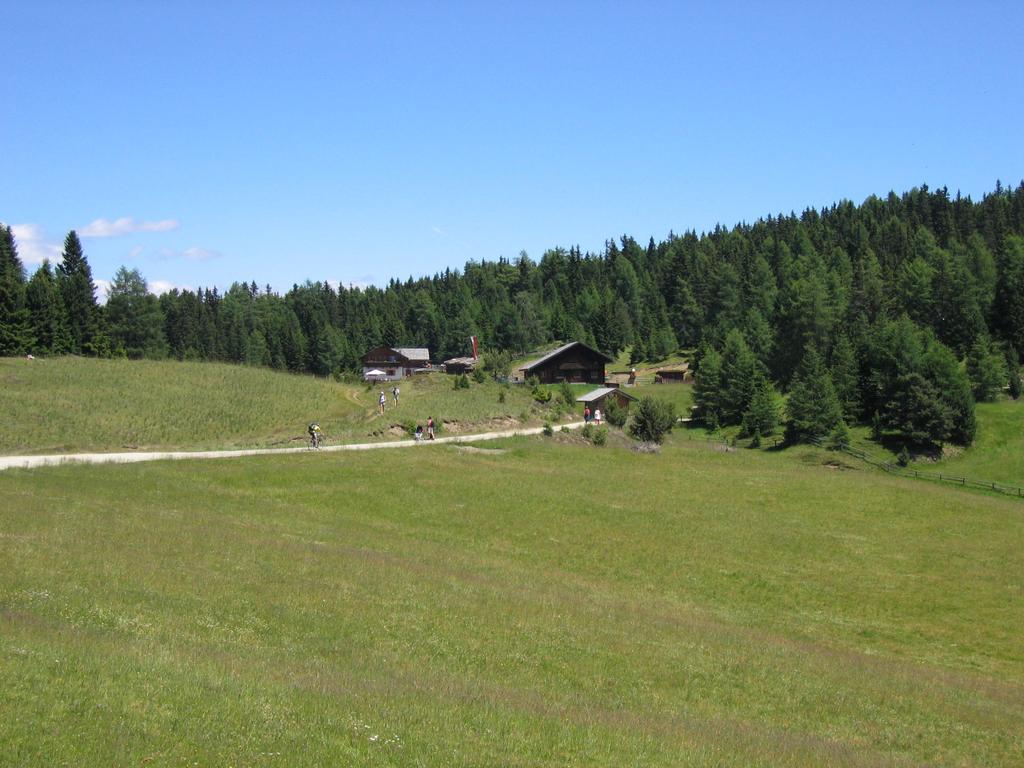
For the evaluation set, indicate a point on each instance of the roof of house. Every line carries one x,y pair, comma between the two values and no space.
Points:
461,361
556,352
597,394
414,353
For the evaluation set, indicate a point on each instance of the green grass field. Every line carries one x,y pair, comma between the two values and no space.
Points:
77,404
998,453
553,604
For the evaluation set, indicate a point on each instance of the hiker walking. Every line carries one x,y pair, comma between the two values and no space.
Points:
382,401
430,428
586,414
394,394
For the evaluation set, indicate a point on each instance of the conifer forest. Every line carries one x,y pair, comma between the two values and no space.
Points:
900,312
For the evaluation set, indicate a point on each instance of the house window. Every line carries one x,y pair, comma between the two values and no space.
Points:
391,371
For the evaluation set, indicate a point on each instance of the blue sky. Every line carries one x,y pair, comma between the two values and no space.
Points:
208,142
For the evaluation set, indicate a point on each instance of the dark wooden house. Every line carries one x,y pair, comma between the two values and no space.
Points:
575,362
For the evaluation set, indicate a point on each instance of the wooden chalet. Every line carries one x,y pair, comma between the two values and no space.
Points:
394,363
575,362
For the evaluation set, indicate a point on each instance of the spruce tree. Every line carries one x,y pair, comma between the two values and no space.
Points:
762,416
986,368
740,369
15,335
134,317
1008,311
1013,371
844,371
917,412
652,419
707,389
813,407
74,277
47,318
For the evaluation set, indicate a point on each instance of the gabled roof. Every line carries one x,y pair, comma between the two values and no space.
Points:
597,394
560,350
414,353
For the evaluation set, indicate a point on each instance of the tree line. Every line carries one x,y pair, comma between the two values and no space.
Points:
883,307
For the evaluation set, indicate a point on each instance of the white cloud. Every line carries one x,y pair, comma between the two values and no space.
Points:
126,225
33,246
102,288
199,254
362,282
135,252
160,287
194,253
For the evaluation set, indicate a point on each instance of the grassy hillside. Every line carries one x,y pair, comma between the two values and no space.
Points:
77,404
998,453
552,604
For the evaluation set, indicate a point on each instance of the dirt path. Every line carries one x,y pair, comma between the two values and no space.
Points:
31,462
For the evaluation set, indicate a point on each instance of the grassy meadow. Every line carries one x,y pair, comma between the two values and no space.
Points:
77,404
548,603
998,453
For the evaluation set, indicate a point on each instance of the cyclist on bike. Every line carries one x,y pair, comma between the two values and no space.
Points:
315,435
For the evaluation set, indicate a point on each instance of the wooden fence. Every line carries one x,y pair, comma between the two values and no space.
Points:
896,469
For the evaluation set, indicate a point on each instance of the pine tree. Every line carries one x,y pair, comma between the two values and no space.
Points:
707,389
1008,311
652,420
47,318
134,317
762,416
917,412
813,407
1013,370
740,370
15,334
844,372
986,368
74,278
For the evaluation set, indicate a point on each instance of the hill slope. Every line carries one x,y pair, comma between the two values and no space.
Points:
80,404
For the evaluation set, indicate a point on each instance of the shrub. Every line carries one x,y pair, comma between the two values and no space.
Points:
840,437
614,413
548,431
587,431
540,394
600,436
461,382
501,395
755,439
565,391
903,458
652,420
497,364
479,376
